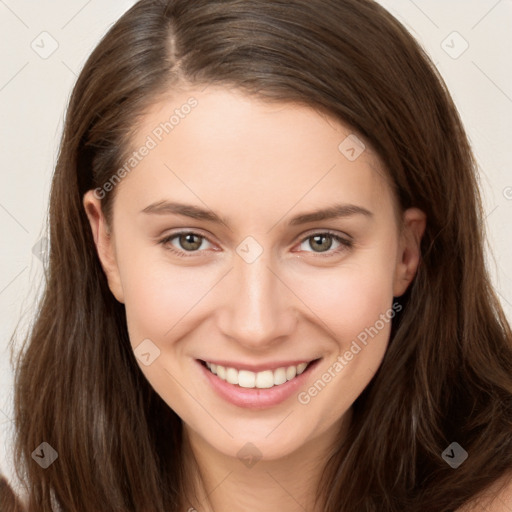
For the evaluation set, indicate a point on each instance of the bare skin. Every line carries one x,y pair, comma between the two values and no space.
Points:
257,166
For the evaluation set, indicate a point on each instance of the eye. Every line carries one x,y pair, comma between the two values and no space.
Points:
186,242
322,243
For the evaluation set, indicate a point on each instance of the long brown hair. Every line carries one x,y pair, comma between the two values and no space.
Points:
447,374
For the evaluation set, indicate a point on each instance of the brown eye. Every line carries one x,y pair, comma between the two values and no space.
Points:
190,241
184,242
322,243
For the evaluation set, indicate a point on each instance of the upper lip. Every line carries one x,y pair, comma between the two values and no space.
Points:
257,367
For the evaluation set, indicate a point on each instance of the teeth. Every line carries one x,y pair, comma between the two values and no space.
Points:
291,371
279,376
246,379
261,380
221,372
232,376
301,367
265,379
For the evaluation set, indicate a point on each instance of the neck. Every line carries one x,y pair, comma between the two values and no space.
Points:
217,481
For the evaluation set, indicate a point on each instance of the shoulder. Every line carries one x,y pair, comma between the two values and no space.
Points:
496,498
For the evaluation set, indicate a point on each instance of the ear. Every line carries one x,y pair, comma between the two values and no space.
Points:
414,222
104,242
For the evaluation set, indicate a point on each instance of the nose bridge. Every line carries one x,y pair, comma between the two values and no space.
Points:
257,307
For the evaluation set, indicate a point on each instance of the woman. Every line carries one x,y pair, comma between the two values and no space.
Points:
195,348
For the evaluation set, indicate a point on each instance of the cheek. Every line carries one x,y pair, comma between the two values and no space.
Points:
161,301
350,297
164,305
356,303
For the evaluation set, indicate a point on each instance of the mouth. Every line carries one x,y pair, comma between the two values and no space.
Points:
260,387
264,379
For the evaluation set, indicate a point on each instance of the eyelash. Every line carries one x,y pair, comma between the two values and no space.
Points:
345,243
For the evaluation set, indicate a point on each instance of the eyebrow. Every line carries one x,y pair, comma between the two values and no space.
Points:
187,210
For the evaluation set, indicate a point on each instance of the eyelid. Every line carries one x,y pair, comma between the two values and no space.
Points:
326,231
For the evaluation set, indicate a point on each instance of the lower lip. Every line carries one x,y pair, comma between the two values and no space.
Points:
255,398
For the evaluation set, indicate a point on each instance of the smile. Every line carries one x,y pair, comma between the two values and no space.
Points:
262,380
257,386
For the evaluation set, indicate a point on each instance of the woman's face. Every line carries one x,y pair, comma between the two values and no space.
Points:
255,239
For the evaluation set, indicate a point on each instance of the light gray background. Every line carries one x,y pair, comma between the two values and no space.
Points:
35,87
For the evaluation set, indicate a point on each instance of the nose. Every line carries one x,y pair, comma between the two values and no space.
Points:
258,309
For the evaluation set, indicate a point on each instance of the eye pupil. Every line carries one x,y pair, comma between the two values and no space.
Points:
318,239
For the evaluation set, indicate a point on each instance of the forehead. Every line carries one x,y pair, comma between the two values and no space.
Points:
220,146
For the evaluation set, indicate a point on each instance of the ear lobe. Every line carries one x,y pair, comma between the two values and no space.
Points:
104,242
409,256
